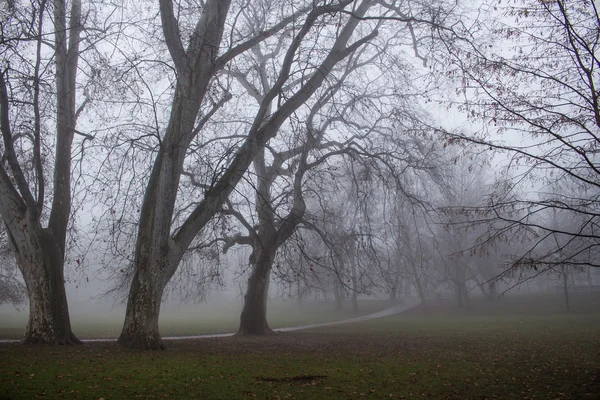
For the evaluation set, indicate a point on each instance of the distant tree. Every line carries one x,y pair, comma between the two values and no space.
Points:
460,229
555,247
413,247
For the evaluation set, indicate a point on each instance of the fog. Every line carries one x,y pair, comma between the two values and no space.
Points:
250,165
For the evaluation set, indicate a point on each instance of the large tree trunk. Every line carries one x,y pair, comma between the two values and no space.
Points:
41,263
253,320
157,254
140,330
155,265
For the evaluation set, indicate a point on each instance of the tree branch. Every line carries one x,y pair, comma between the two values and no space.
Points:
172,35
11,155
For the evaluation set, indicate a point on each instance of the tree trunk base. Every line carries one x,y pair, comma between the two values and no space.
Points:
140,341
68,339
252,327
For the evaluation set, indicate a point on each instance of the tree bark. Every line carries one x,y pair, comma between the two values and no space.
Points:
420,290
140,330
155,265
253,320
41,263
156,256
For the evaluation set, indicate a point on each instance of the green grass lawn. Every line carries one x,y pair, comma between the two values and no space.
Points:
419,355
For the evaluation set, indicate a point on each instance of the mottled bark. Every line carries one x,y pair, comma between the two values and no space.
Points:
41,263
140,330
155,261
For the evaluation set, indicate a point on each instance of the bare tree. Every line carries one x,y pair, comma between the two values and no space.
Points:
313,143
160,246
37,227
413,252
538,82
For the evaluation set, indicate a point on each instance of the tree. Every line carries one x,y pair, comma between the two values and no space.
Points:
160,245
37,227
327,128
555,247
412,248
539,81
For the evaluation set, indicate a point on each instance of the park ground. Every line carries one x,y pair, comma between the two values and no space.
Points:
519,347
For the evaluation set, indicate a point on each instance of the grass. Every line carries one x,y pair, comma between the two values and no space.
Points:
548,355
